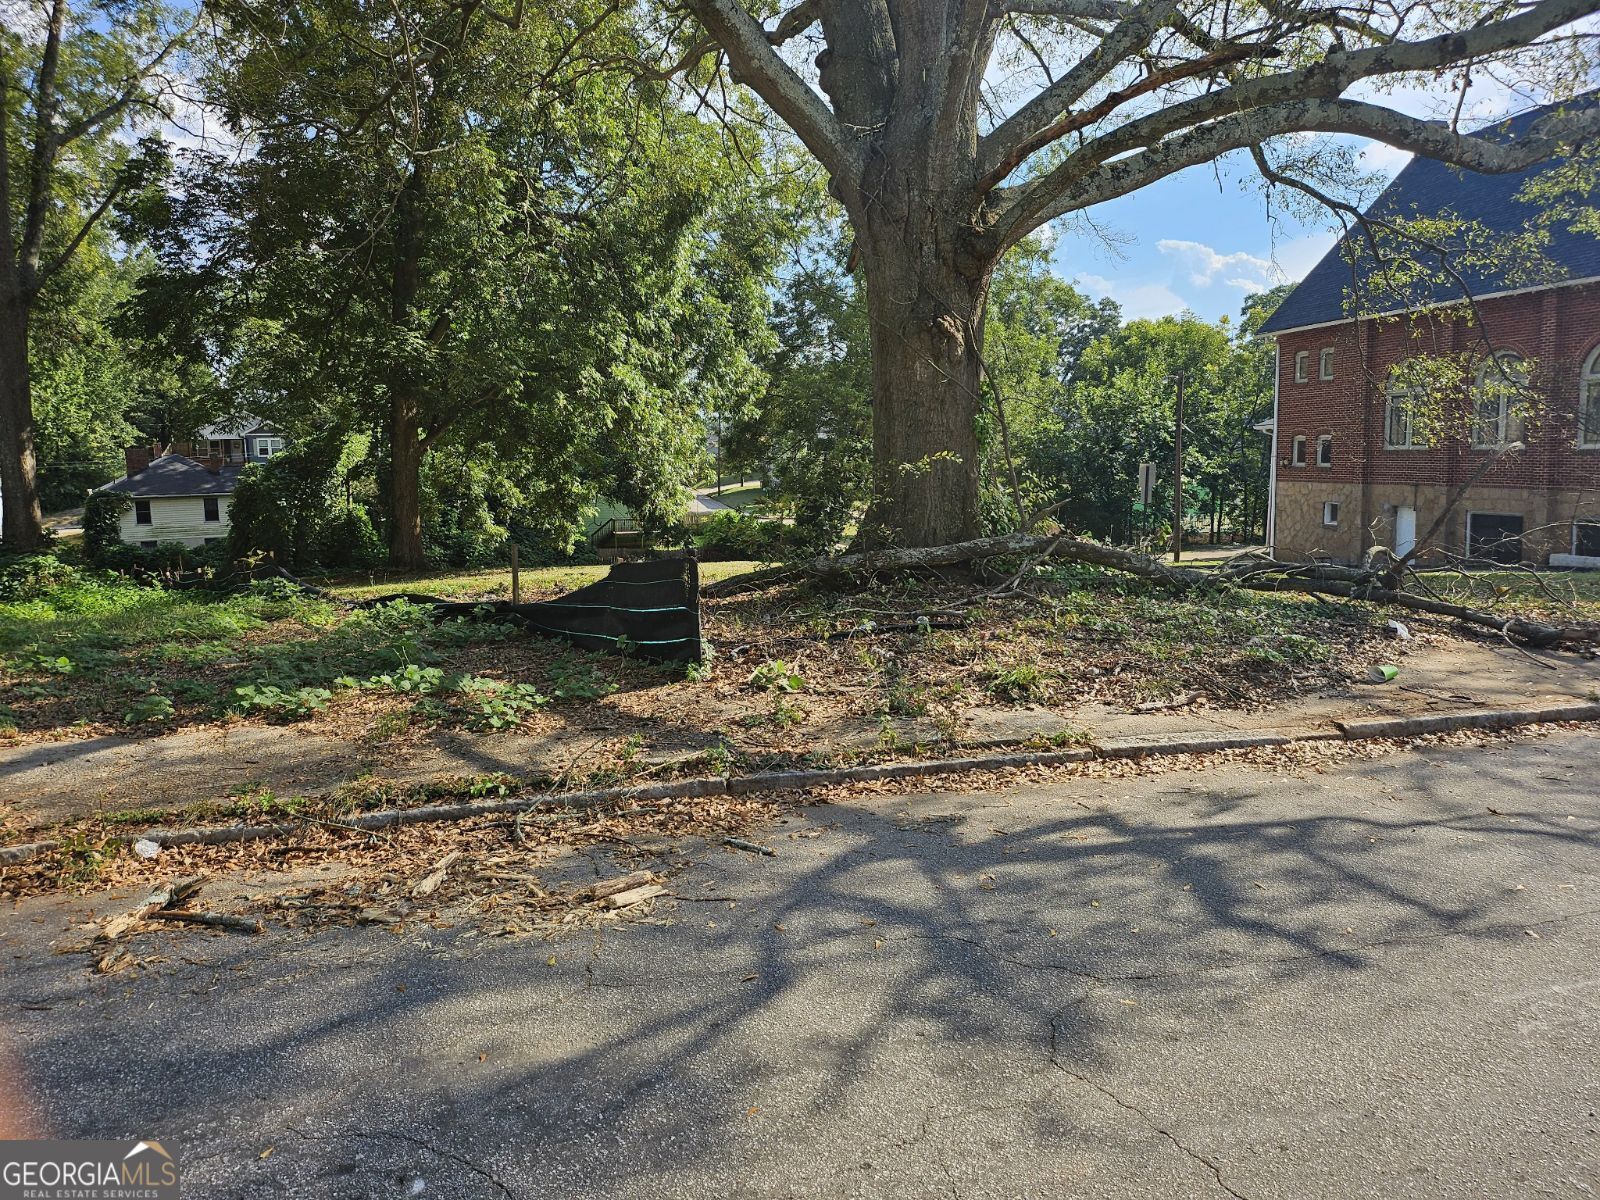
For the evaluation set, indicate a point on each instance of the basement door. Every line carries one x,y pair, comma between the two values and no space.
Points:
1405,530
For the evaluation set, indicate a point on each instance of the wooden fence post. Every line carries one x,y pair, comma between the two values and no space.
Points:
516,577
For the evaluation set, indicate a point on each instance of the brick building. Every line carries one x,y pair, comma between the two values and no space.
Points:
1351,469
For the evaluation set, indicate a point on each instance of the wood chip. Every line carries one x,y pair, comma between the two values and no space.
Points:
634,895
430,882
622,883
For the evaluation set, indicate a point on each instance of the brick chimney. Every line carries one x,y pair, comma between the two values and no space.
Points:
138,459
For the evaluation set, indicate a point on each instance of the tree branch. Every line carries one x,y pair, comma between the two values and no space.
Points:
757,64
1022,208
1076,184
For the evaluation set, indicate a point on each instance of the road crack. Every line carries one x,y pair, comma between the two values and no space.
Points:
1150,1121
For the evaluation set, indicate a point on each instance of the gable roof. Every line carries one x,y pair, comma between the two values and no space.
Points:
1427,187
174,475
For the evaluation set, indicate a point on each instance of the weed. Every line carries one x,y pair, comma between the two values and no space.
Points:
777,676
293,705
1019,684
784,713
154,707
495,704
578,679
410,679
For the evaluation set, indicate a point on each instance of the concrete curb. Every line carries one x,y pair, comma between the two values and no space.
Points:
743,785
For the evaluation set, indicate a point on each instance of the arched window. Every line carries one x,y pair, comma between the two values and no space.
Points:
1589,402
1496,400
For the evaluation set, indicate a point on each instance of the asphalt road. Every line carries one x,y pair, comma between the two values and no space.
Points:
1382,980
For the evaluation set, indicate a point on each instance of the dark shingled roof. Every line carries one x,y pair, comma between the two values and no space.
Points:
1427,187
175,475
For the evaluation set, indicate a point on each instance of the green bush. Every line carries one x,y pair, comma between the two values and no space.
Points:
29,576
745,536
102,518
347,539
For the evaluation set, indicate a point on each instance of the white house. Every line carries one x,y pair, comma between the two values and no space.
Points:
175,499
182,494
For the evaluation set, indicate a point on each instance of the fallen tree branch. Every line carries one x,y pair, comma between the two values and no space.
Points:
1255,572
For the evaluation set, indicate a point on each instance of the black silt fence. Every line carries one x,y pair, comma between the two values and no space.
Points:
652,609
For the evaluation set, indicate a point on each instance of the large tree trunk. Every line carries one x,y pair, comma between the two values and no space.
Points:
23,527
925,299
405,481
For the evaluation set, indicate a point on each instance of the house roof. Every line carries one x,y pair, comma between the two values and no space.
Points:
1426,187
174,475
237,426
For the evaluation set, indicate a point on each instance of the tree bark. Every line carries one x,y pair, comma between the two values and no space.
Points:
23,527
405,485
926,292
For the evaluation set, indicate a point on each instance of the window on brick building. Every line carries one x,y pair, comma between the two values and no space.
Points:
1297,452
1302,361
1589,403
1497,400
1325,363
1330,513
1586,538
1325,450
1400,420
1494,537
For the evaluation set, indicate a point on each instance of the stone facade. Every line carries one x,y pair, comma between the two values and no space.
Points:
1337,400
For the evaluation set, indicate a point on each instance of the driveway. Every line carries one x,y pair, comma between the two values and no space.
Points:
1377,979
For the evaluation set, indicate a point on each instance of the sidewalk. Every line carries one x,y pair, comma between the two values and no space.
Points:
44,782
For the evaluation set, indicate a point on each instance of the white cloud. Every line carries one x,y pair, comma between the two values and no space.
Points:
1206,266
1137,300
1384,159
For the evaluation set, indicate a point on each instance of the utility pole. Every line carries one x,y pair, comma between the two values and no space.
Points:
1177,477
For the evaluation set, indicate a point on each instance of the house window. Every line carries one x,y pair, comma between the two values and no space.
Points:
1330,513
1495,400
266,447
1325,363
1589,403
1586,539
1301,362
1496,537
147,545
141,513
1400,421
213,508
212,541
1325,450
1297,453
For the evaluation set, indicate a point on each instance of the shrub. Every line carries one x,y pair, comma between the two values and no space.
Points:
30,576
745,536
347,539
102,520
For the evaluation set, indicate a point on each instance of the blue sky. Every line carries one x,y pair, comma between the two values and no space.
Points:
1201,240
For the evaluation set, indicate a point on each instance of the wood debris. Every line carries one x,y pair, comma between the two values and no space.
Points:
634,896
